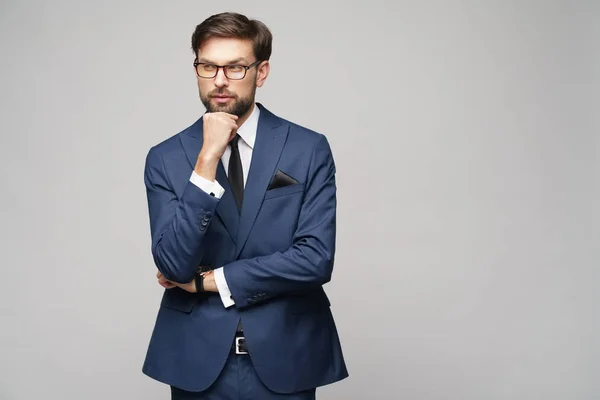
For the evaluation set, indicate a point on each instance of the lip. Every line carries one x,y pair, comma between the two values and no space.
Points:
222,99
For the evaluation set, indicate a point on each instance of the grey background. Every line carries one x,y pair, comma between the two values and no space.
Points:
467,152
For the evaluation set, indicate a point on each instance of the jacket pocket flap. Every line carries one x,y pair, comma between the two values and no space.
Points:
178,299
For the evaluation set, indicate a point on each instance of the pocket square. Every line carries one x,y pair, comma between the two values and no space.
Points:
281,179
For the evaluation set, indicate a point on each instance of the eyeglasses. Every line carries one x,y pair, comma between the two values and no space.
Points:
234,72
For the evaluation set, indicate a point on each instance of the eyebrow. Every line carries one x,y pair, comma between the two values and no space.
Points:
235,60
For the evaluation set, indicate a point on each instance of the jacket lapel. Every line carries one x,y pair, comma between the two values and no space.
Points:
191,141
270,138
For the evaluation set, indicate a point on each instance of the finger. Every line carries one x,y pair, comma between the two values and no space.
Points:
158,274
166,284
223,114
232,116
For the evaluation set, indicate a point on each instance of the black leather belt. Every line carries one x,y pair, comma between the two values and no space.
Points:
239,344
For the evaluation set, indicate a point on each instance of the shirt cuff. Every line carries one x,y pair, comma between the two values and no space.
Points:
212,188
223,288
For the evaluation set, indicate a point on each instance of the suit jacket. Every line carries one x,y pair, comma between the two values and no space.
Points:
277,254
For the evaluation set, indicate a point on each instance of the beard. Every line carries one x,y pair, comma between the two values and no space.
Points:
237,106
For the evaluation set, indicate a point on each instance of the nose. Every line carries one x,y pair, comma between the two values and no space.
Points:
221,80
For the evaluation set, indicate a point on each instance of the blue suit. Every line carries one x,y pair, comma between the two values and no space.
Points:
277,254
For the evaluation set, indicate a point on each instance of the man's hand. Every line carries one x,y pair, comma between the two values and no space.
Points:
162,281
209,283
167,284
218,130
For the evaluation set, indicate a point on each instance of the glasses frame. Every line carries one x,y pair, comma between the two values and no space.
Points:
246,68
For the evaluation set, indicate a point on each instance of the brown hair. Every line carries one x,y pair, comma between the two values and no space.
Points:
234,25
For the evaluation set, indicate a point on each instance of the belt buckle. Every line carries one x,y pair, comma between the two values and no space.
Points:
237,345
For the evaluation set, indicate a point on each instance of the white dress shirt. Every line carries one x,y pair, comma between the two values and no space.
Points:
247,134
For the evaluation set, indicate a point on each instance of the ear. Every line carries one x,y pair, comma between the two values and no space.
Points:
194,70
263,70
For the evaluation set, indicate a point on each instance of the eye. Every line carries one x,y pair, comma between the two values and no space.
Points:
235,68
208,67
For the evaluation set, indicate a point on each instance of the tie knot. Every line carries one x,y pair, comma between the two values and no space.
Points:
234,141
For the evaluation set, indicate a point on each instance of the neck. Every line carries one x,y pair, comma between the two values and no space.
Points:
240,121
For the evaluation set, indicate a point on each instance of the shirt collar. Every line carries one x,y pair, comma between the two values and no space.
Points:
248,129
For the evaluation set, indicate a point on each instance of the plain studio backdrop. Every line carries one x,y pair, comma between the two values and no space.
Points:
466,138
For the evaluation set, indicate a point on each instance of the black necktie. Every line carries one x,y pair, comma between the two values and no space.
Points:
235,173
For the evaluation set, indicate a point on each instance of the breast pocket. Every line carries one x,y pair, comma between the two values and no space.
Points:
284,191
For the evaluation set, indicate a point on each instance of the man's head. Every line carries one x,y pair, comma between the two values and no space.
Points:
240,45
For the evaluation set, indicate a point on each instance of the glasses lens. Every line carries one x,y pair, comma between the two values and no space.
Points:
206,70
235,71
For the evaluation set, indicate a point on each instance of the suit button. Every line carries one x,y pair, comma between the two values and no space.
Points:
204,223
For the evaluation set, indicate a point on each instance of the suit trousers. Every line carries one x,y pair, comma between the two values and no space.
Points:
239,381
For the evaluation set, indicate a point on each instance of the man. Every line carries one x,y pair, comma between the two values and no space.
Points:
242,209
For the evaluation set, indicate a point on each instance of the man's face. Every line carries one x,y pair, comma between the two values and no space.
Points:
222,93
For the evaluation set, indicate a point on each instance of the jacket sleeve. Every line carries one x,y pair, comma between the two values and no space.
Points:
177,224
309,261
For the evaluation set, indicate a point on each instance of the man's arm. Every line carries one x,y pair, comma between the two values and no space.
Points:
177,225
309,261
